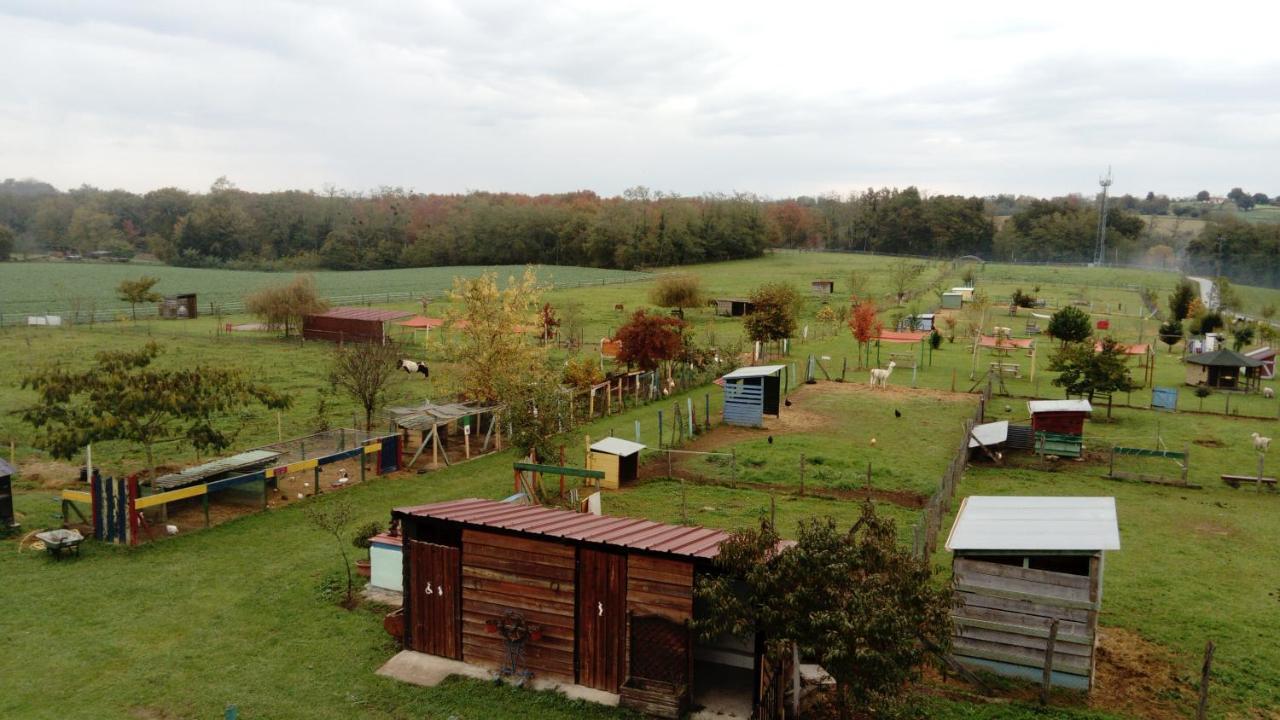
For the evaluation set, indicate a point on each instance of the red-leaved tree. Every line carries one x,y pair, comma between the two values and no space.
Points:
865,324
649,339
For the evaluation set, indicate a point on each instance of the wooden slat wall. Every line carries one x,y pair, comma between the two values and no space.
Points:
660,586
1006,611
532,577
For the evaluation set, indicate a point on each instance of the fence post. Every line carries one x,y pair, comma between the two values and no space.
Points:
659,428
733,464
1203,708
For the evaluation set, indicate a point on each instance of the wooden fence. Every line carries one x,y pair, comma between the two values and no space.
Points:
925,540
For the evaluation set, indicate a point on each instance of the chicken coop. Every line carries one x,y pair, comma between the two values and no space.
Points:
602,601
750,393
179,307
350,324
619,460
1028,581
1064,417
1225,369
952,301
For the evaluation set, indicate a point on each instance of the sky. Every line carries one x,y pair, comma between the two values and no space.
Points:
775,98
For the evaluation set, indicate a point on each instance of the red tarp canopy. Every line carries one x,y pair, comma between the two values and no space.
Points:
901,337
1126,349
1011,343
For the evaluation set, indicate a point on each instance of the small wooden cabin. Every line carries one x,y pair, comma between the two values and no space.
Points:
350,324
1224,368
952,301
734,307
1019,563
1267,356
179,307
750,393
1065,417
823,287
7,520
611,599
619,460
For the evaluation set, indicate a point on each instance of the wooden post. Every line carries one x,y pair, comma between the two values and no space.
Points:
265,480
868,478
1261,459
684,510
315,478
279,427
844,365
363,462
953,379
204,500
659,428
1203,708
801,474
733,465
669,472
706,414
1111,472
1046,680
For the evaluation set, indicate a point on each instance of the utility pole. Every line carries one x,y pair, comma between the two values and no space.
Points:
1100,258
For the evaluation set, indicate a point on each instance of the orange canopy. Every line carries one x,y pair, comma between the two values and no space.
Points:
901,337
1126,349
422,323
999,342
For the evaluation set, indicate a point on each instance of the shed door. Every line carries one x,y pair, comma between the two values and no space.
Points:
435,604
602,618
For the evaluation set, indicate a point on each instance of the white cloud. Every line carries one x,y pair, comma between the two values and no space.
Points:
688,97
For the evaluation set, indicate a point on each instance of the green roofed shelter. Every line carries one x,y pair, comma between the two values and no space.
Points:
1226,369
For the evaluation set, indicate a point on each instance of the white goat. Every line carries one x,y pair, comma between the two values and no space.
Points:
1268,393
1261,444
880,377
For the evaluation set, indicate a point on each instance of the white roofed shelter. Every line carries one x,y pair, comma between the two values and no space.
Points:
1020,564
750,393
619,460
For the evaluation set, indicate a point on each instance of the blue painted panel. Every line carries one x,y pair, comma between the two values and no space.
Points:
1164,398
1060,679
744,404
237,480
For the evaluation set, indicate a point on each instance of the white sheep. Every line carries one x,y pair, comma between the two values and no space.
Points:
1268,393
1261,444
880,377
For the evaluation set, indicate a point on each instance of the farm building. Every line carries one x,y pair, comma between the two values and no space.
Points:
1267,356
7,520
1222,369
604,602
734,307
1021,563
1065,417
916,323
823,287
619,460
952,301
750,393
965,292
179,307
346,324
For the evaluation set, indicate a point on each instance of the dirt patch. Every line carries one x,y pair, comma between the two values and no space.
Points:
48,474
1209,442
1213,529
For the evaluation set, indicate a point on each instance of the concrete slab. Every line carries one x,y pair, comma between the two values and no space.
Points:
429,670
383,596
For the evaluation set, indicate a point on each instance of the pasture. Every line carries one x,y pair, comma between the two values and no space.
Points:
235,614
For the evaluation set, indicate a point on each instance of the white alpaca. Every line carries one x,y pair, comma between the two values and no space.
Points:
1268,393
1261,444
880,377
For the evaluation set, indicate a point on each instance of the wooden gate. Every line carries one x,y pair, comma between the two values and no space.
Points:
602,618
435,605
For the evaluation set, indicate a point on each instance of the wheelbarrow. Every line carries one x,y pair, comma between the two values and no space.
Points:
61,541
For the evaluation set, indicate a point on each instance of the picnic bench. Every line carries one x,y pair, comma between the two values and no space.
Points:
1236,481
1007,369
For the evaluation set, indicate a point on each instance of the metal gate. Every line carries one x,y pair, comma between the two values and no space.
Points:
435,599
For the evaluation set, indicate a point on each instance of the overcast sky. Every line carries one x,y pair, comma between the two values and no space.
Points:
779,98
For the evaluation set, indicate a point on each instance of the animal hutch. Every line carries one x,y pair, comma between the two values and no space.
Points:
443,427
750,393
1267,356
1028,583
179,307
619,460
1063,417
823,287
952,301
346,324
600,601
7,521
1225,369
733,307
922,322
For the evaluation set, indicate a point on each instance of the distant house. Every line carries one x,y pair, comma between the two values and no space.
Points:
179,307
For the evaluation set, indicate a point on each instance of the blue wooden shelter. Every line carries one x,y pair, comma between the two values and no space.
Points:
750,393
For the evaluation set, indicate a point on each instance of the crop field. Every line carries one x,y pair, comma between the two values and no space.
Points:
243,613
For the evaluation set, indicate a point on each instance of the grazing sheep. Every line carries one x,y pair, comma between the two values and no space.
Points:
414,366
1268,393
1261,444
880,377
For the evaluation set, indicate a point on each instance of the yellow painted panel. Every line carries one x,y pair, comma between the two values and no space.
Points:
371,449
301,465
171,496
608,464
77,496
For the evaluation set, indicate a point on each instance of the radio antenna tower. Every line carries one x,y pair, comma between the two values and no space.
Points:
1105,182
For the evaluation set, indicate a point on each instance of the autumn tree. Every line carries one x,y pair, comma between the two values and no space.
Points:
864,323
138,291
1084,370
582,373
285,305
648,340
1070,325
679,291
774,316
363,370
121,396
903,276
549,322
857,602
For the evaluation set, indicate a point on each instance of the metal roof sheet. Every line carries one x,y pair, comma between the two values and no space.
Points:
217,467
617,446
990,433
1086,524
755,371
1039,406
690,541
6,469
358,313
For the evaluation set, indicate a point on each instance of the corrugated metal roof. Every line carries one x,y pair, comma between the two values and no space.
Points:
1085,524
617,446
195,474
685,540
756,371
1039,406
1224,358
6,469
357,313
990,433
1263,353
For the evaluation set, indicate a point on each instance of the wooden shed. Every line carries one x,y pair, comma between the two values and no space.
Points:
7,521
619,460
1065,417
823,287
952,301
733,307
610,598
1020,564
1267,356
1224,368
179,307
750,393
347,324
